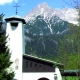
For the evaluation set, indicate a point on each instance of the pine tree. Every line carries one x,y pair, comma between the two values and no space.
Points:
4,55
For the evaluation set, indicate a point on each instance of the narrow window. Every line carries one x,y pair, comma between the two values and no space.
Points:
26,64
35,65
39,66
31,65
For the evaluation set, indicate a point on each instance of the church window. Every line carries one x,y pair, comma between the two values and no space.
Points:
35,65
26,64
39,66
31,65
13,25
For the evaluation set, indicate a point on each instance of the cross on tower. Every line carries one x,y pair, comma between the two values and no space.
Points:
16,8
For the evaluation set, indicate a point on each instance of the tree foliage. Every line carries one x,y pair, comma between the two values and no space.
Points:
4,55
69,47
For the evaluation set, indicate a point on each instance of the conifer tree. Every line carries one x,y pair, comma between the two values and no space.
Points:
4,55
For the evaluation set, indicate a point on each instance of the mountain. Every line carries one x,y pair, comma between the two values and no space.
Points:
41,26
45,20
42,36
45,26
67,14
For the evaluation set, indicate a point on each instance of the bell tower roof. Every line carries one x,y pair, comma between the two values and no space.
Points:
15,18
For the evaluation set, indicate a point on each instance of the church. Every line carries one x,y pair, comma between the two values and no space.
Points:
27,67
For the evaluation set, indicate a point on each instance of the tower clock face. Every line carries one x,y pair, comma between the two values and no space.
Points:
14,26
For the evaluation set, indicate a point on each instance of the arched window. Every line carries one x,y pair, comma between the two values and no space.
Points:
43,78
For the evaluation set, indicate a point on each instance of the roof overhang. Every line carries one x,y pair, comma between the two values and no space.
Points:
44,60
15,18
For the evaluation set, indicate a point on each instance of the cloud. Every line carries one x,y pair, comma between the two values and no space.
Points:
2,2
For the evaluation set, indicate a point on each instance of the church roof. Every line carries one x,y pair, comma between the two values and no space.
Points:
16,18
44,60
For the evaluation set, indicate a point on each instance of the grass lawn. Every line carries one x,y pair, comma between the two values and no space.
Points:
70,78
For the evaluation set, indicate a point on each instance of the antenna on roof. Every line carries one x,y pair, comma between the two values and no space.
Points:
16,8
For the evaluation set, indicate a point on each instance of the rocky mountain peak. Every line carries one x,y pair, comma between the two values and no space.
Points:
42,9
47,12
43,4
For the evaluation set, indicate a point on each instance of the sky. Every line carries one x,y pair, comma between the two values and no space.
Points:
6,6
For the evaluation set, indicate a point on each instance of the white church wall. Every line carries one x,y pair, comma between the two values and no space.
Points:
57,71
16,48
38,75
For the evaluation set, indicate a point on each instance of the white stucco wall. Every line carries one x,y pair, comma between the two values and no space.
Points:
37,75
16,47
57,71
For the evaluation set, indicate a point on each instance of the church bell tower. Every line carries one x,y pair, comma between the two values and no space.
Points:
16,43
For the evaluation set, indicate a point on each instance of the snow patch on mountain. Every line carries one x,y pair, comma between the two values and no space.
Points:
69,15
43,9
